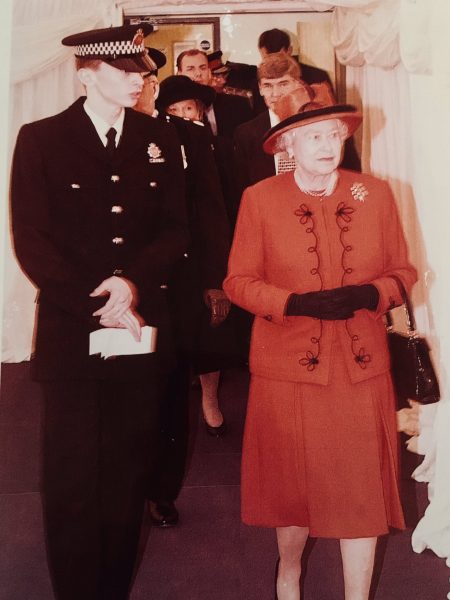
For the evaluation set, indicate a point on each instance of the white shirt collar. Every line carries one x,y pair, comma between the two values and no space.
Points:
102,127
211,115
274,120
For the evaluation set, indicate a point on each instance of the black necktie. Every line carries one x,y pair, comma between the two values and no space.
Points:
111,143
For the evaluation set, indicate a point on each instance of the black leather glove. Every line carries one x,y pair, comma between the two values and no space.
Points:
219,305
361,296
333,305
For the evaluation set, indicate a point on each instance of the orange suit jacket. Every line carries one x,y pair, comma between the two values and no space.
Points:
287,241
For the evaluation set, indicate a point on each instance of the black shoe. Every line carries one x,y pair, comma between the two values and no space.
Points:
163,514
216,431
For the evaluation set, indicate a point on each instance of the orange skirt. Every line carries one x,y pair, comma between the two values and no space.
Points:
323,457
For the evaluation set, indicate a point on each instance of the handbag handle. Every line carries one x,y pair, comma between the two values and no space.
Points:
410,321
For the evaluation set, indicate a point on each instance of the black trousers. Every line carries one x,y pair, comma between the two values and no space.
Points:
167,476
98,441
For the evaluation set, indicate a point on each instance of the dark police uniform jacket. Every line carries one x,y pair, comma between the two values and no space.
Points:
80,217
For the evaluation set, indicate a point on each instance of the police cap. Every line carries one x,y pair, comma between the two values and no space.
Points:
121,47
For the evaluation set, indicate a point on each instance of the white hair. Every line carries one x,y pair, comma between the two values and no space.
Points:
286,139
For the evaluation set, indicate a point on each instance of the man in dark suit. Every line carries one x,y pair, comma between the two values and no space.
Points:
278,74
277,40
227,111
195,283
269,42
98,219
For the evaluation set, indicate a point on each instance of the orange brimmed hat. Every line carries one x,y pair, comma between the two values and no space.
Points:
121,47
308,104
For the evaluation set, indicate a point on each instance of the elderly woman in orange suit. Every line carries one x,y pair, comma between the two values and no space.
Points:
313,258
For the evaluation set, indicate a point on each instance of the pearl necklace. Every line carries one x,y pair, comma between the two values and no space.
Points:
318,193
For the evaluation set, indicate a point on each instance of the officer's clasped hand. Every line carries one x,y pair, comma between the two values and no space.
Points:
118,309
219,305
129,320
333,305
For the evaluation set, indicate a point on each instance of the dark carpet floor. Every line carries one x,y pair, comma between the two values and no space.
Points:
210,555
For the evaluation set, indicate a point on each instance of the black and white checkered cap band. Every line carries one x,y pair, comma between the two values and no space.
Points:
110,49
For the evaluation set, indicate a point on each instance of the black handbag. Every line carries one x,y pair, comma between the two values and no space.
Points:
411,367
412,371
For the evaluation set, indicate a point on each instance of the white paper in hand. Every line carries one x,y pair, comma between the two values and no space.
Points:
111,341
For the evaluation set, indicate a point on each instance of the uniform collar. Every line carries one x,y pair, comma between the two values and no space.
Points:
102,127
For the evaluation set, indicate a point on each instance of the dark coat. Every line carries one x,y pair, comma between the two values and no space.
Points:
230,111
79,217
223,150
204,264
253,164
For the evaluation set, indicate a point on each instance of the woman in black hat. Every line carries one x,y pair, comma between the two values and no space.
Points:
214,348
313,258
182,97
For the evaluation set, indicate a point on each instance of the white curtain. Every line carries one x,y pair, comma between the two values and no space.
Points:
42,84
426,55
398,69
206,6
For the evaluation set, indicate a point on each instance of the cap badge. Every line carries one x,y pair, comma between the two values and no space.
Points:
155,153
138,37
359,191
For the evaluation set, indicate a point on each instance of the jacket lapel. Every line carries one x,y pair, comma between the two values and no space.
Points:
82,133
266,162
131,140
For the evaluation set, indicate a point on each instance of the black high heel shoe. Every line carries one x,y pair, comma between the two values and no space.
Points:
216,431
277,566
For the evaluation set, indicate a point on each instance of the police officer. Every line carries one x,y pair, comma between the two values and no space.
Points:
98,221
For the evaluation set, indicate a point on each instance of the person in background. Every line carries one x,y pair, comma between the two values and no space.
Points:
219,71
313,258
278,74
227,111
269,42
214,348
98,220
277,40
219,75
196,300
150,88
